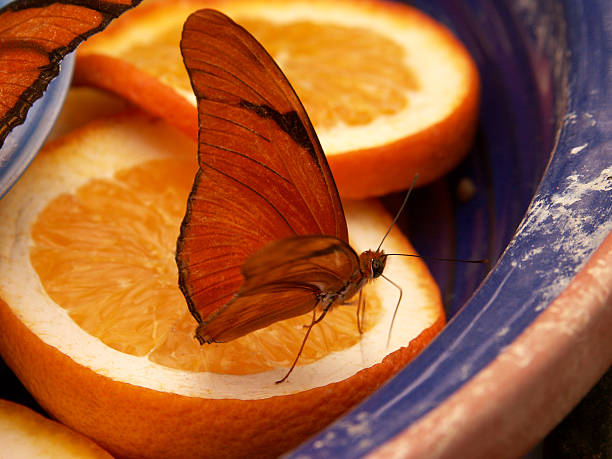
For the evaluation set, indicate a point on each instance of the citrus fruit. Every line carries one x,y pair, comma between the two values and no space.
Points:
93,323
84,104
390,91
27,434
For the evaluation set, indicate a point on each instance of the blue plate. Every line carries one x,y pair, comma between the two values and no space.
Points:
24,142
542,165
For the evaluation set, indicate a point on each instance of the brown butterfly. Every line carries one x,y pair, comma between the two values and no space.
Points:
35,35
264,237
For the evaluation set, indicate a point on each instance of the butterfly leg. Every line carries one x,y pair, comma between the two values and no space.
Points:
361,303
314,321
399,300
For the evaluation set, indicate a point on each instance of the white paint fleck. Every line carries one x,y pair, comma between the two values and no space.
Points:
327,439
578,149
558,208
589,116
571,117
465,371
564,222
360,427
503,332
352,427
532,253
365,444
519,355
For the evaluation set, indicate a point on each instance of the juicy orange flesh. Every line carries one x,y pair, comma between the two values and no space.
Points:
106,255
368,81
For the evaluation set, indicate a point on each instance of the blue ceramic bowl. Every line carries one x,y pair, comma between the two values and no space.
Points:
542,165
22,145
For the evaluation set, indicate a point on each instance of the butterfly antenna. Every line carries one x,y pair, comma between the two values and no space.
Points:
453,260
360,311
399,212
399,300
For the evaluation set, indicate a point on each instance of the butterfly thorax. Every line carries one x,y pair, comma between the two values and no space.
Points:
371,265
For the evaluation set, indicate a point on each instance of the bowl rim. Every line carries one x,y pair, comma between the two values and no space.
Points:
545,376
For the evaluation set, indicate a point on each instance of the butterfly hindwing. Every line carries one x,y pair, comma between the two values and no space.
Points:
286,278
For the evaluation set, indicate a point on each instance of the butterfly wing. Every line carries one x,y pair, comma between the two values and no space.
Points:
35,35
262,174
286,278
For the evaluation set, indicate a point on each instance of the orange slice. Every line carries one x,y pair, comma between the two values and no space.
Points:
85,104
391,92
27,434
93,323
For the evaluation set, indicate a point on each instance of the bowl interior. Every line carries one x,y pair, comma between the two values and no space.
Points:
541,167
521,110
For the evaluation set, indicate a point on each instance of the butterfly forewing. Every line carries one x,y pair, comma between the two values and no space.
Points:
242,92
263,175
35,35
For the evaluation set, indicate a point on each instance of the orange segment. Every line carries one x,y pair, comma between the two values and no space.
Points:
389,90
93,324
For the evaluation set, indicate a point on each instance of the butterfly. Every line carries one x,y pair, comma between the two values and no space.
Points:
35,35
264,237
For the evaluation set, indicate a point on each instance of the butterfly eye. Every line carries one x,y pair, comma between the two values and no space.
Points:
378,266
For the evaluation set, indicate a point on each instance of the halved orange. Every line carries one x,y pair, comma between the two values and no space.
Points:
27,434
84,104
390,91
93,323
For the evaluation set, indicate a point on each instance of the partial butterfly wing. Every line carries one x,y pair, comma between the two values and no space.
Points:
262,174
35,35
286,277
